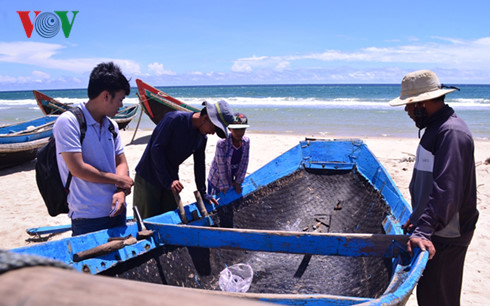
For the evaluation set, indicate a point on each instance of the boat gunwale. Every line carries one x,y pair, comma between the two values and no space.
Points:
377,176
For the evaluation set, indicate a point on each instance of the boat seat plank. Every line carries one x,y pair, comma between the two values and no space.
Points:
353,245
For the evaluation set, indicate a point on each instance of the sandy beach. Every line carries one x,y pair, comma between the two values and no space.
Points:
22,207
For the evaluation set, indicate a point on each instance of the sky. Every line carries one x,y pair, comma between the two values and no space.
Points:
213,42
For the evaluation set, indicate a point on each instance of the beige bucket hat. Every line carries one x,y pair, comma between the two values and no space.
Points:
420,86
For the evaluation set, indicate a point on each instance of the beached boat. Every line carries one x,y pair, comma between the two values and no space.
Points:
319,225
19,142
124,115
156,103
50,106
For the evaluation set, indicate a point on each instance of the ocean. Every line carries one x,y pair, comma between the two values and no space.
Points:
329,111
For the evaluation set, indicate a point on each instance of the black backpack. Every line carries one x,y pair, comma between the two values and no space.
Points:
48,178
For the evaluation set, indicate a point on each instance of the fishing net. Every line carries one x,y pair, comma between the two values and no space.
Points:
305,201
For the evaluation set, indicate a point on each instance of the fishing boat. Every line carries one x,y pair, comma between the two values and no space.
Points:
50,106
155,103
19,142
124,115
319,225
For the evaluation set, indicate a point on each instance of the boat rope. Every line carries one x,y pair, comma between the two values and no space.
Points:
10,261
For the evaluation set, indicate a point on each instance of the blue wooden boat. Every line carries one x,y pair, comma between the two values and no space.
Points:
19,142
50,106
319,225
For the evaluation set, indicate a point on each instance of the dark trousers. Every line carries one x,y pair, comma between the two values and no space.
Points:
84,226
441,281
150,199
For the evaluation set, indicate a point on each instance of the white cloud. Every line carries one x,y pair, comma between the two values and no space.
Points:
43,55
449,52
36,77
40,74
282,65
157,69
241,66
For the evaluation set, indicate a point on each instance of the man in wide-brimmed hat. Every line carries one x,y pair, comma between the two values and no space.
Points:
443,188
177,136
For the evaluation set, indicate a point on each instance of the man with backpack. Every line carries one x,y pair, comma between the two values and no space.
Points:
96,161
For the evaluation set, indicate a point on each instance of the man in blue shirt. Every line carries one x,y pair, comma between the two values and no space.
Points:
100,171
177,136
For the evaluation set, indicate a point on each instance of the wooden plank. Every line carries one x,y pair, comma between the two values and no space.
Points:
354,245
54,286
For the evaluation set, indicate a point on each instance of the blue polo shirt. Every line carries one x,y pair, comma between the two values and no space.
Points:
99,149
173,140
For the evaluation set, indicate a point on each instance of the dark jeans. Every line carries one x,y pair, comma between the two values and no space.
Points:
83,226
152,200
442,278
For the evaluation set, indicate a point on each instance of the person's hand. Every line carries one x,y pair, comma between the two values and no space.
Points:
176,187
124,182
210,198
118,203
214,201
408,227
423,244
238,187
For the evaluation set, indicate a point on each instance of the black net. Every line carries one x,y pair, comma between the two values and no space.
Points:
305,201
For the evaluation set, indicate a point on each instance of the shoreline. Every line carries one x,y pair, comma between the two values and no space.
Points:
22,206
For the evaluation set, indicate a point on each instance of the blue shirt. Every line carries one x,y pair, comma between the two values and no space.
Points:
99,149
173,140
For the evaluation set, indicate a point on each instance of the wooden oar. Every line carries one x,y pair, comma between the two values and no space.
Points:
31,130
181,208
106,248
200,204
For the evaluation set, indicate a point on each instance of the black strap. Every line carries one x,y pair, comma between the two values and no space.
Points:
112,130
77,111
449,87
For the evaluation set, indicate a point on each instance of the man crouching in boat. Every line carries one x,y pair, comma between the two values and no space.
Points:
101,179
443,188
178,135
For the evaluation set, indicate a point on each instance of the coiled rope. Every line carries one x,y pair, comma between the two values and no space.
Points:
10,261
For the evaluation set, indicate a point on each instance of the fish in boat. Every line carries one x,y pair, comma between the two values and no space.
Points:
155,103
319,224
19,142
50,106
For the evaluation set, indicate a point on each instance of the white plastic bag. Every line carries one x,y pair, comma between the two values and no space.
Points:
236,278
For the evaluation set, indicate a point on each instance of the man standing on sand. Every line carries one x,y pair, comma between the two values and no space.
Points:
177,136
443,188
100,172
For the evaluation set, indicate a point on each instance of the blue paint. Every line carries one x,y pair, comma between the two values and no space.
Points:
8,136
340,155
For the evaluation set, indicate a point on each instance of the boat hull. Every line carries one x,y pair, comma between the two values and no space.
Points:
155,103
18,153
320,224
50,106
20,142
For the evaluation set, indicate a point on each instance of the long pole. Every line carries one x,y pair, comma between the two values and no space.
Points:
137,126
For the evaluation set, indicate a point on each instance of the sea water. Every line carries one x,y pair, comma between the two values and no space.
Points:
356,110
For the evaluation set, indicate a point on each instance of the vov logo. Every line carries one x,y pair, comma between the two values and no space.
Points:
47,24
